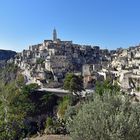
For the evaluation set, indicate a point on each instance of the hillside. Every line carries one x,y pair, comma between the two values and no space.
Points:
5,55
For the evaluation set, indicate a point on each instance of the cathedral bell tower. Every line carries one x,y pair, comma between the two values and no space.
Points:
54,35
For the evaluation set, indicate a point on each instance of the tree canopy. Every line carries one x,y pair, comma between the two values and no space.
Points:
73,83
107,117
106,86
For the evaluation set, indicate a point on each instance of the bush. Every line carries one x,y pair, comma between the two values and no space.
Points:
49,122
55,126
49,126
107,117
107,85
40,61
62,107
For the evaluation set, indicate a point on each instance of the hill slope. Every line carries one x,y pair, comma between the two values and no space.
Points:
6,54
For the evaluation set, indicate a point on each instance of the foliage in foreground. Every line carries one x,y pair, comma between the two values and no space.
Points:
55,126
107,117
63,105
13,109
23,109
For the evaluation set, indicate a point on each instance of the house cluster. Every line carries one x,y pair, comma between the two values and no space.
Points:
126,67
49,61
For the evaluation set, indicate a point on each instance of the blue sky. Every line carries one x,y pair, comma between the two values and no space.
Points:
107,23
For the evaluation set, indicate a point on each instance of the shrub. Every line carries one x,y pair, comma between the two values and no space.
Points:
49,126
49,122
63,105
40,61
55,126
107,117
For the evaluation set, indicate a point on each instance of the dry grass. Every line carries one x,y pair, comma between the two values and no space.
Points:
52,137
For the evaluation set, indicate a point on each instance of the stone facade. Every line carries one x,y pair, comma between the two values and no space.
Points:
60,57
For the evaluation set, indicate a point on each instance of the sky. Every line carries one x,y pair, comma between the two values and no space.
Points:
107,23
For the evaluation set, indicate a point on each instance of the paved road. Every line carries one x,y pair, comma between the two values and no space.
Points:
29,80
54,90
64,92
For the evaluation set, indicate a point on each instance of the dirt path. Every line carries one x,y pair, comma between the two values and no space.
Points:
52,137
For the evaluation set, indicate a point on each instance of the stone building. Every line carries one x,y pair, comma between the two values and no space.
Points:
59,57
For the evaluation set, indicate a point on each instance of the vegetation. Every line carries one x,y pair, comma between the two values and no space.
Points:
20,81
55,126
23,109
73,83
13,109
106,86
9,73
40,61
63,105
138,89
107,117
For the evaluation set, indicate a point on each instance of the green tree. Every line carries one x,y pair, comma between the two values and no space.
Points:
15,106
106,86
107,117
11,115
73,83
40,61
15,103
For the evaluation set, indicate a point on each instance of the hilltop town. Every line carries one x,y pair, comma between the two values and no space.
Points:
35,87
47,64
